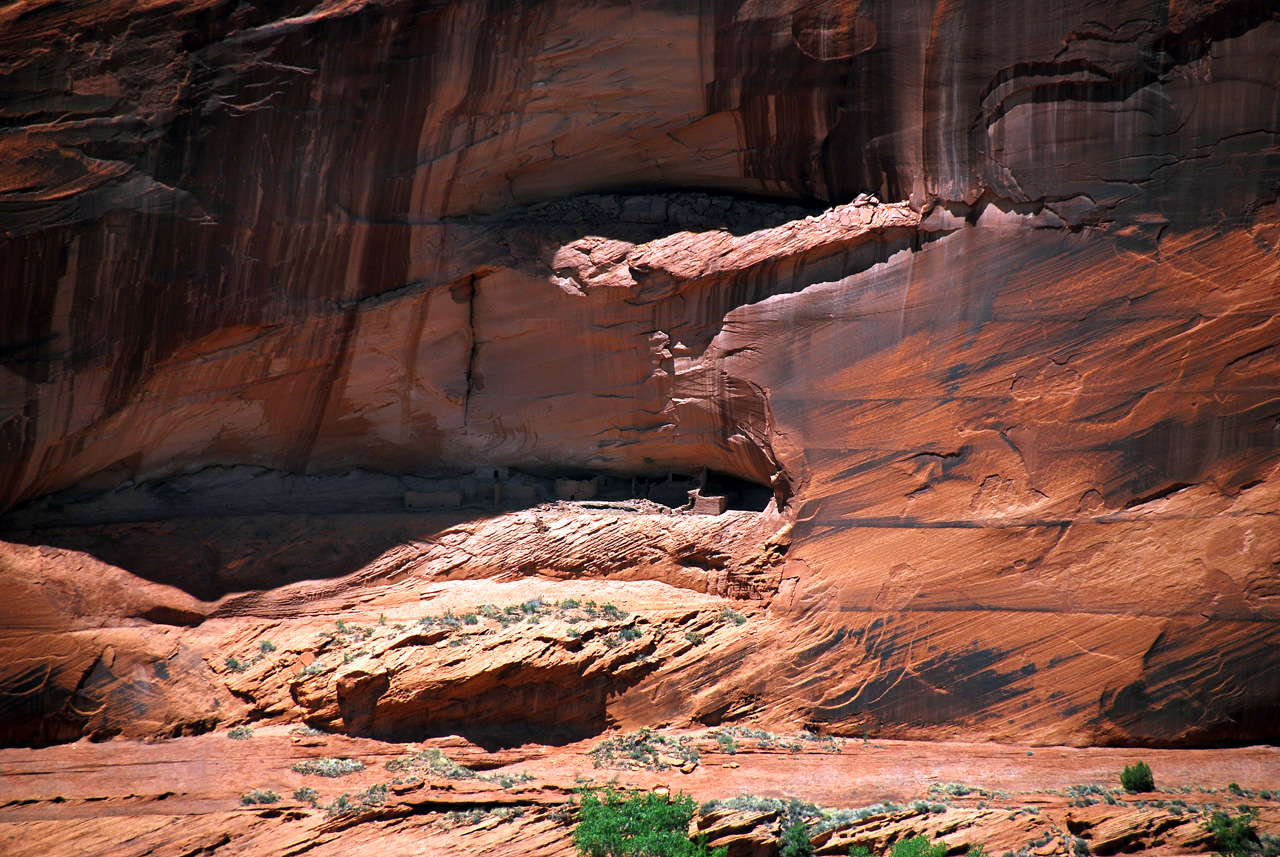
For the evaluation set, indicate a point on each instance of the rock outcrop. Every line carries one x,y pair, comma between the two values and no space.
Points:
985,297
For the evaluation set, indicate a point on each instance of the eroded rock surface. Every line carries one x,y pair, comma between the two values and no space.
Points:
985,296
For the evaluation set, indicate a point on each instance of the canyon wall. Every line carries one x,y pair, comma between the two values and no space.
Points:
986,293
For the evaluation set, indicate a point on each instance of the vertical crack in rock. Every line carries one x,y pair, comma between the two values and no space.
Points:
474,346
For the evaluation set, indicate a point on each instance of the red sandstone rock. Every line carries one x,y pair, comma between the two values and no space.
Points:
1020,422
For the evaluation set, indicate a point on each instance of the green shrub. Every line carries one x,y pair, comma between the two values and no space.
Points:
240,733
918,846
795,841
258,796
695,638
306,795
612,612
612,824
631,632
235,664
267,647
1137,778
1233,836
570,604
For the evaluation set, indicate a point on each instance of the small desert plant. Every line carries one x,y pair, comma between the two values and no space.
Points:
267,647
1137,778
235,664
306,795
240,733
328,767
469,619
432,761
611,612
695,638
728,615
631,632
258,796
570,604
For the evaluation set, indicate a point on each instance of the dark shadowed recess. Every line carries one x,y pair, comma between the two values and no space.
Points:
210,555
516,705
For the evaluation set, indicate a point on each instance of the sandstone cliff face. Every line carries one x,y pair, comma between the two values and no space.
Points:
1021,413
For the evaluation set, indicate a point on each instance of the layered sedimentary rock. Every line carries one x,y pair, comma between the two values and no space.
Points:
985,296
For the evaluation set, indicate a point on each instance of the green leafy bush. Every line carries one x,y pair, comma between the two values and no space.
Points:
695,638
235,664
1138,778
267,647
1234,836
306,795
918,846
613,824
795,841
240,733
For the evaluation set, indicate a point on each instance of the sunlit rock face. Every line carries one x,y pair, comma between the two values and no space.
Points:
1023,407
